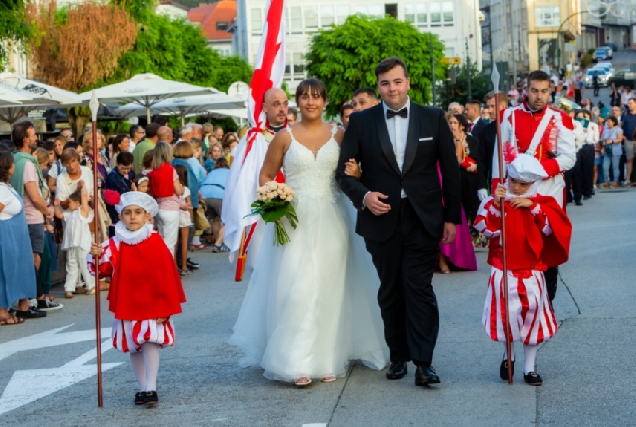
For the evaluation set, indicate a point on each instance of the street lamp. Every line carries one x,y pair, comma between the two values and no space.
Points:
558,49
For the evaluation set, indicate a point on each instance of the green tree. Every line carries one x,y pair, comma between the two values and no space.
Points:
178,50
344,57
480,85
15,27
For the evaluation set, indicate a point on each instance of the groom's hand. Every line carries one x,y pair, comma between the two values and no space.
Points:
373,203
449,233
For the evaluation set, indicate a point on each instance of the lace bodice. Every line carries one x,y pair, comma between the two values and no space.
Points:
312,175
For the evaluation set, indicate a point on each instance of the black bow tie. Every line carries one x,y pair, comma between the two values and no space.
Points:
404,113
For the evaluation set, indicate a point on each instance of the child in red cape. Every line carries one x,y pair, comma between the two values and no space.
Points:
537,237
145,289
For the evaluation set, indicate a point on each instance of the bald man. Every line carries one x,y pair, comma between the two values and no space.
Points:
276,107
165,135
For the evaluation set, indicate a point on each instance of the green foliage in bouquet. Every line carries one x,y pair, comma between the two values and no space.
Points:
273,204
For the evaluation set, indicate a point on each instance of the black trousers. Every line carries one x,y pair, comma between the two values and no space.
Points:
470,200
551,276
587,169
408,305
577,178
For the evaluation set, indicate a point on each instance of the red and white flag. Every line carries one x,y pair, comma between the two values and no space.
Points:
242,182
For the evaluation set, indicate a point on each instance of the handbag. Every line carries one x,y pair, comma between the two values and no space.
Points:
200,221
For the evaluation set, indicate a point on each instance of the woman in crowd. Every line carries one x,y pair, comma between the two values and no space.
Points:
611,141
183,155
17,282
166,189
102,162
229,142
212,190
120,143
56,168
214,153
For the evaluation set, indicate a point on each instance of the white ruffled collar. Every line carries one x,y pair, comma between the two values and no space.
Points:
133,237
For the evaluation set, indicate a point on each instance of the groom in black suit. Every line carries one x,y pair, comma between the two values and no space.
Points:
403,211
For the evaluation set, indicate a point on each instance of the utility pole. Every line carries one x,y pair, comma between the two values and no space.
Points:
432,55
468,67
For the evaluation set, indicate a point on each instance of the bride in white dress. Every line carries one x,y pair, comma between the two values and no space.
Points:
311,305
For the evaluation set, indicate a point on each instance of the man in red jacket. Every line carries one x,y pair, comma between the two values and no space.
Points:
546,133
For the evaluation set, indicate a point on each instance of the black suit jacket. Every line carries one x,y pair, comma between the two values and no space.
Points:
479,126
486,148
429,140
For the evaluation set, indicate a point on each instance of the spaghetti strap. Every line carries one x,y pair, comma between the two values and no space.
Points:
334,130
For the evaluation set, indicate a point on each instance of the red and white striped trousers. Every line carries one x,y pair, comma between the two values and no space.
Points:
130,335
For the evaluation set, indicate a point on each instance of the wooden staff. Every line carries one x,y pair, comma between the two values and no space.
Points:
241,260
94,106
495,81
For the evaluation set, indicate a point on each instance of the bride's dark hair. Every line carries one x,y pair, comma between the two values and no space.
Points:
313,86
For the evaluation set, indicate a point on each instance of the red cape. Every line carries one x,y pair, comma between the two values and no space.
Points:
526,246
146,283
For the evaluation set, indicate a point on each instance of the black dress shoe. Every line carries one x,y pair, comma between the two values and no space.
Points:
140,398
503,370
151,398
578,203
425,375
31,313
587,197
533,378
396,371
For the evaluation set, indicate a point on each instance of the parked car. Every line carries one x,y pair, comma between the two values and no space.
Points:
624,77
603,77
602,53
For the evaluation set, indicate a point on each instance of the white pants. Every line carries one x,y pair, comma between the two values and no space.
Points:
76,265
167,223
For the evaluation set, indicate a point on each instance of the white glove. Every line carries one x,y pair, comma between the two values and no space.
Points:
482,193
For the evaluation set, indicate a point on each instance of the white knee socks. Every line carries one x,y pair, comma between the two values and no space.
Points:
512,349
145,365
530,354
151,361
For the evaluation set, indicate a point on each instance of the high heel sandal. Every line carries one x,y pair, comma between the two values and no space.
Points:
302,381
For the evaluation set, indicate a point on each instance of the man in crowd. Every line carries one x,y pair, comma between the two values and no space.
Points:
185,133
28,182
164,134
628,123
532,131
345,112
137,133
626,96
67,133
276,107
487,140
363,99
218,131
292,116
473,114
455,108
146,145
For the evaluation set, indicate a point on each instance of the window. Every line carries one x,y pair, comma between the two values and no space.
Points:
436,14
221,25
416,14
376,10
326,16
287,63
296,19
391,10
343,12
547,16
448,13
361,8
299,63
257,20
450,52
311,17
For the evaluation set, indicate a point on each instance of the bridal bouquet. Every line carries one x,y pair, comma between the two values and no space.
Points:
273,202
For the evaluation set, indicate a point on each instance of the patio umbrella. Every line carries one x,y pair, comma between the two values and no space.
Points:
188,106
63,97
146,90
16,104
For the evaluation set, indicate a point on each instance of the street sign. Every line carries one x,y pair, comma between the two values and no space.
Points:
453,60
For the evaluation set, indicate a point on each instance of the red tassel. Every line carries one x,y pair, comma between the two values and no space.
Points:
509,152
112,197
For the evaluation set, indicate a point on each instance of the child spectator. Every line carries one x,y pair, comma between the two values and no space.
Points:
185,218
145,290
212,190
141,184
183,155
147,162
537,237
120,179
77,239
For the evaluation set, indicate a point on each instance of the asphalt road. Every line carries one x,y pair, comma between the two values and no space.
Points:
47,379
622,59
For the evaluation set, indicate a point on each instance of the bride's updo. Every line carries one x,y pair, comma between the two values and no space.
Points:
313,86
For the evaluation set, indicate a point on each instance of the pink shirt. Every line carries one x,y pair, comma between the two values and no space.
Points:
33,215
171,203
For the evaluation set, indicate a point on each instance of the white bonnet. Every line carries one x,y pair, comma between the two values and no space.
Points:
526,168
138,199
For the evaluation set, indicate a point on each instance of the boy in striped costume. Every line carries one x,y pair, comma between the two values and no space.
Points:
537,237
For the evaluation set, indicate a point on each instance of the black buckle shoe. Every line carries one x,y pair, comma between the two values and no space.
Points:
533,378
425,375
151,398
396,371
140,398
503,370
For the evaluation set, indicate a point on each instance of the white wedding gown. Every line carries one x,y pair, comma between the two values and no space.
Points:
311,305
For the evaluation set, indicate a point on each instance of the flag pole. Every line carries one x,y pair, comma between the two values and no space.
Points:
495,81
94,106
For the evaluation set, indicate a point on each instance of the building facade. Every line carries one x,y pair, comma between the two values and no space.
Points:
456,22
215,20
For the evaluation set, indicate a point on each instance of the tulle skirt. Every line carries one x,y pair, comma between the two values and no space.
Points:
311,305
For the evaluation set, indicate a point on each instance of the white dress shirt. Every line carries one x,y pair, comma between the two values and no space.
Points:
398,128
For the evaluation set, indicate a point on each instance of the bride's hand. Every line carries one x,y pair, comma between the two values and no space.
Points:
352,168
